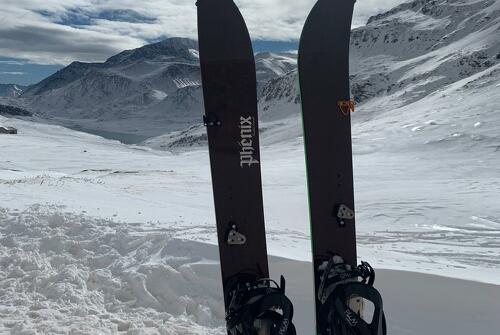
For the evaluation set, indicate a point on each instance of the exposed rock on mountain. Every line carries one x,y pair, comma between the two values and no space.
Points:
11,90
13,111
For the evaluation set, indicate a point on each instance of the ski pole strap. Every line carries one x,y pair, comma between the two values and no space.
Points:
337,318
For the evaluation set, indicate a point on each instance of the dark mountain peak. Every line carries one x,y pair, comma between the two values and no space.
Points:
175,47
78,65
171,49
177,43
62,77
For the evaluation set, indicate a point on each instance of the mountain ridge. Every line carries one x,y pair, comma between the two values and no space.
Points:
399,57
395,56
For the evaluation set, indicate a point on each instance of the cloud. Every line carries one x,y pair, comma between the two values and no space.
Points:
12,62
52,44
13,73
61,31
76,17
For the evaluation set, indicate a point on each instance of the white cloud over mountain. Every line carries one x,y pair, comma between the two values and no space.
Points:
60,31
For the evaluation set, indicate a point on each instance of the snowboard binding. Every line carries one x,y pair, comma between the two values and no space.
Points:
342,293
258,306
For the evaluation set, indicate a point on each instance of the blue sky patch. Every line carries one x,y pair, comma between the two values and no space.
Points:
18,71
274,46
79,17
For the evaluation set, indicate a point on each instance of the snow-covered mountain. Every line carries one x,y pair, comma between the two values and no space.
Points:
271,65
411,51
398,58
11,90
422,46
151,90
148,90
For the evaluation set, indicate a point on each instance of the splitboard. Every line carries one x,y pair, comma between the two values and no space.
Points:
324,84
230,97
254,303
341,287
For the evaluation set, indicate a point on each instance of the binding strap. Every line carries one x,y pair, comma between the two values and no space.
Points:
259,302
337,318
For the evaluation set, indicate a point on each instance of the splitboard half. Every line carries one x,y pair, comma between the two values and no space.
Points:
325,95
230,97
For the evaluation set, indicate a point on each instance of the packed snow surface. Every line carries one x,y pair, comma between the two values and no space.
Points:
64,272
102,237
426,182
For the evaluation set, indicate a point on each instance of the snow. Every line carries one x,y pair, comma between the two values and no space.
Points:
279,64
186,82
420,21
66,272
395,152
195,53
160,95
101,237
70,273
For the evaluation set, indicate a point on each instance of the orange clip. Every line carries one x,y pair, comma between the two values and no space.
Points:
346,106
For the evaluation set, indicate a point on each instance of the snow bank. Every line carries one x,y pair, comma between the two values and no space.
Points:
63,273
70,274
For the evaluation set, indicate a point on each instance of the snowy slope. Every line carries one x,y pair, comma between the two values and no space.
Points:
411,51
421,46
442,146
101,237
400,57
419,173
271,65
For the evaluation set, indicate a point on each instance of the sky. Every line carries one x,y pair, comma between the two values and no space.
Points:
39,37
